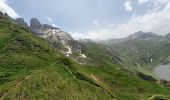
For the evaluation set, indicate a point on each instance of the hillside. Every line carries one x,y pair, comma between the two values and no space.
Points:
30,68
147,52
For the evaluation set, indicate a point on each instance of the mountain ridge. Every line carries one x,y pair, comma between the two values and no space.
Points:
57,38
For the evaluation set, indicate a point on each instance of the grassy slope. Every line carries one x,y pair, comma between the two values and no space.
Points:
31,69
137,50
101,54
138,53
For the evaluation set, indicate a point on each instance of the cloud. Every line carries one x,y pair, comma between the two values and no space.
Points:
152,21
49,19
94,35
102,33
95,22
128,6
143,1
5,8
155,21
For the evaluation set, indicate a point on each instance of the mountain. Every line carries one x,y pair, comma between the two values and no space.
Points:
63,41
21,22
31,68
101,54
148,36
145,49
143,35
52,34
56,38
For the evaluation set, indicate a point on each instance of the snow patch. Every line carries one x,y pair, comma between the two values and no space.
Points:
68,55
69,51
83,55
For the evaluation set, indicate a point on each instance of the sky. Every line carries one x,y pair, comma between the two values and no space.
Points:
95,19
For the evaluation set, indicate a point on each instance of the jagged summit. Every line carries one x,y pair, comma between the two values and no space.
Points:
55,36
35,24
49,32
21,22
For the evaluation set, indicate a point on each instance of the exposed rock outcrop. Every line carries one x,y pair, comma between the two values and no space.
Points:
56,37
21,22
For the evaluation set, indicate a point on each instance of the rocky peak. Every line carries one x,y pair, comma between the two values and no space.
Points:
46,26
21,22
35,24
65,36
56,37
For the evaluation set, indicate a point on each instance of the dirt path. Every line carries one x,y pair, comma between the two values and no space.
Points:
152,98
71,73
95,79
98,86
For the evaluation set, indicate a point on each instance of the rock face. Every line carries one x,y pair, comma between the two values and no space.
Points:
76,46
56,37
21,22
35,25
167,36
1,13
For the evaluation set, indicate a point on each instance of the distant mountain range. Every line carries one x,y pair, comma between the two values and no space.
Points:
141,36
142,46
134,45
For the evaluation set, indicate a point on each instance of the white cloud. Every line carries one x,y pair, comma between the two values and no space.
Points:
143,1
128,6
98,34
95,22
5,8
152,21
49,19
156,21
